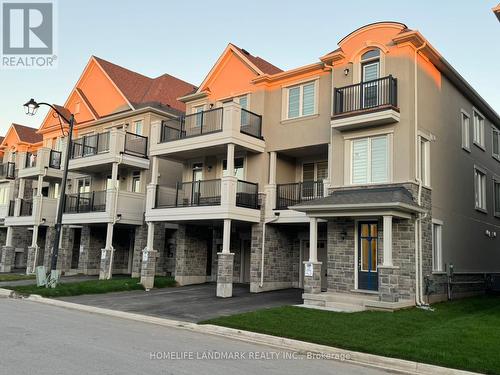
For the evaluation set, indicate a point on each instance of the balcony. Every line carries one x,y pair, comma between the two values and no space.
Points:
93,152
45,162
366,104
32,211
227,197
104,207
288,195
7,171
193,134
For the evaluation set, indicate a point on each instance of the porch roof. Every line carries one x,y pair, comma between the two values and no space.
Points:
396,198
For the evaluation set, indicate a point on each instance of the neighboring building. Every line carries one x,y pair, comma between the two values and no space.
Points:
21,198
109,164
381,127
496,10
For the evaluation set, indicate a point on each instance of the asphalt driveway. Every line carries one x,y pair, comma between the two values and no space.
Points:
192,303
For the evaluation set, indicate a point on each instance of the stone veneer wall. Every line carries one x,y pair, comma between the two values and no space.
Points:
191,254
3,235
92,241
341,255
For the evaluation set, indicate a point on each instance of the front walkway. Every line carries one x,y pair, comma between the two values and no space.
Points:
192,303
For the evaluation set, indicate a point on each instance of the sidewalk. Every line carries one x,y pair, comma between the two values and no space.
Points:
64,279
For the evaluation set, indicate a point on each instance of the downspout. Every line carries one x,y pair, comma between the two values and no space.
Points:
418,221
269,221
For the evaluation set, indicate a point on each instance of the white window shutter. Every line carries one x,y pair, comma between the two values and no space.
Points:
308,99
360,161
379,159
293,102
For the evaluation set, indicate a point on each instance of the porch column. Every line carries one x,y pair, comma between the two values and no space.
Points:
230,159
39,186
7,253
149,257
106,268
312,268
151,198
272,167
225,263
31,261
387,243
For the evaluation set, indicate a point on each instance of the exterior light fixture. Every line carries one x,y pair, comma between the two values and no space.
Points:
31,107
346,72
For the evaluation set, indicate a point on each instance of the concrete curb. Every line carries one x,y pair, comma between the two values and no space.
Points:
363,359
5,293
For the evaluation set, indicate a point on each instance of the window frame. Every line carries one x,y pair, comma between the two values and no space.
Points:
426,179
141,122
495,133
465,143
480,201
480,143
437,254
315,163
369,159
496,181
286,99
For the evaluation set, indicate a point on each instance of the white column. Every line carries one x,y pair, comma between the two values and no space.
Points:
313,239
151,234
20,193
272,167
34,238
114,175
387,241
154,170
226,237
109,236
8,240
230,159
39,186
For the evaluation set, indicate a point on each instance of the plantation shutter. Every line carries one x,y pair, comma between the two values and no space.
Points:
308,172
308,99
360,161
379,159
293,102
322,171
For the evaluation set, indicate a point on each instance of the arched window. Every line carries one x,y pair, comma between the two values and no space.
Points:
371,54
370,74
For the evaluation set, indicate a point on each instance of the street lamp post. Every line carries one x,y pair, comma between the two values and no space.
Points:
31,108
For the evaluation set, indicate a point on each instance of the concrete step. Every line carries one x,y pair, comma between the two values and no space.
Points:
344,307
345,298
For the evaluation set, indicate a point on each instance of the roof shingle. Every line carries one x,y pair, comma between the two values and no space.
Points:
27,134
265,66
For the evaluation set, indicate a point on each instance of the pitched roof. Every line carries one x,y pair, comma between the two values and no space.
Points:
265,66
27,134
141,90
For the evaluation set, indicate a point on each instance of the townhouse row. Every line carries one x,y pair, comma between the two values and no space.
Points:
369,175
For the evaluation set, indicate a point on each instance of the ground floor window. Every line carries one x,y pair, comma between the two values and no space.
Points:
437,246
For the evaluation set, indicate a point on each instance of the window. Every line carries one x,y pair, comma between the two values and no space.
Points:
424,161
136,182
478,129
370,160
315,171
243,102
239,169
4,194
199,115
83,185
480,189
56,191
138,127
465,131
437,247
496,193
301,100
496,143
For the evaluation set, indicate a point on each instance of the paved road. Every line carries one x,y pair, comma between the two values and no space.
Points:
40,339
192,303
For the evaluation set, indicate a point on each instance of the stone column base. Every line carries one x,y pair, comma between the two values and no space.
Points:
225,266
148,268
7,258
106,261
312,277
31,261
388,283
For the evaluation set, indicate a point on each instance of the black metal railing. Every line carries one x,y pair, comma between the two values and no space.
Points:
26,208
187,194
12,207
291,194
94,201
380,92
251,123
192,125
89,145
55,159
136,145
8,170
30,160
247,194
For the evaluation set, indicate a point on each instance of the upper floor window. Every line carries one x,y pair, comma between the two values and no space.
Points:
370,65
480,189
83,185
243,102
465,123
136,182
138,128
370,160
199,115
495,142
424,161
478,123
301,100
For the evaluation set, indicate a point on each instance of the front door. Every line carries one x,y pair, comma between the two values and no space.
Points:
367,255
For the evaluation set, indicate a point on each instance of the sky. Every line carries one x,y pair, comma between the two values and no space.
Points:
185,38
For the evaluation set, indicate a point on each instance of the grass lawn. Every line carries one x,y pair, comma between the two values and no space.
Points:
15,277
462,334
91,287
